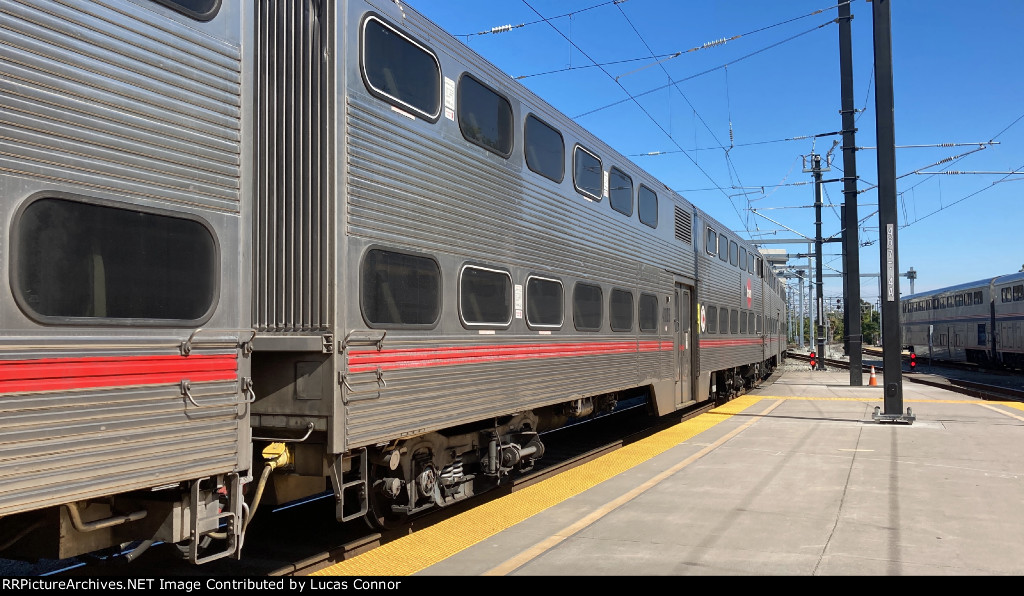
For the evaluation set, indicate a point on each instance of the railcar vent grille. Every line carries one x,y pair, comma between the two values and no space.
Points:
292,223
684,224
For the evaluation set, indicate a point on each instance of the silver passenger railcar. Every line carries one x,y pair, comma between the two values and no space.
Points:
980,322
321,248
123,180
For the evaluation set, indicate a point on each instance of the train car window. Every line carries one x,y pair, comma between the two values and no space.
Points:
711,242
620,310
587,173
733,253
74,260
399,70
200,10
544,303
734,321
743,322
723,320
586,307
485,117
742,262
647,313
760,268
977,298
620,191
544,148
647,206
723,248
1005,294
982,340
750,321
399,290
1018,293
485,297
757,328
750,263
712,319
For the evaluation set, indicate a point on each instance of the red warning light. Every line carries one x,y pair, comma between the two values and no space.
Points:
913,361
812,360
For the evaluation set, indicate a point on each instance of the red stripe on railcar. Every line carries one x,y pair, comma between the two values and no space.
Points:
54,374
368,360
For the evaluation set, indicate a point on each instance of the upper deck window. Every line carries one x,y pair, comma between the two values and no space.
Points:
399,70
733,252
587,173
200,10
620,191
75,260
711,242
545,149
723,248
485,117
647,206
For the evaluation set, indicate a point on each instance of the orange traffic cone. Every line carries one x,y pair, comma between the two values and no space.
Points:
873,381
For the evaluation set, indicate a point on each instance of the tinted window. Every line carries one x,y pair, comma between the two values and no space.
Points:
485,296
734,321
620,191
743,322
723,320
399,289
77,259
750,322
743,258
647,313
723,248
401,71
712,319
545,149
733,249
587,173
202,10
620,313
485,117
586,307
711,242
647,206
750,263
543,302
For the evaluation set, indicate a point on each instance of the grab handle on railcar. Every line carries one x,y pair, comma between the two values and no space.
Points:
186,391
186,346
364,338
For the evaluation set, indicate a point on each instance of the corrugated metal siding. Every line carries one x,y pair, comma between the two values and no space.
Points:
61,446
292,212
129,116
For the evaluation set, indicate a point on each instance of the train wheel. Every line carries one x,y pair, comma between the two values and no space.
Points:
380,516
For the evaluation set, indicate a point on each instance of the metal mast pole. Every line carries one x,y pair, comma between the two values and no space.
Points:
852,332
819,293
888,232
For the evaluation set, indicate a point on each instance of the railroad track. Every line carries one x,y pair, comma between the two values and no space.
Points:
984,391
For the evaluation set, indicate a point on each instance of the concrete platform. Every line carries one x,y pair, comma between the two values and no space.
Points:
795,479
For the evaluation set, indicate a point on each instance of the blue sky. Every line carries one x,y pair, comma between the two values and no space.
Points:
721,115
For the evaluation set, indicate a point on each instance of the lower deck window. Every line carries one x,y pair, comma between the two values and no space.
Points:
586,307
621,311
75,260
543,302
647,313
485,297
398,289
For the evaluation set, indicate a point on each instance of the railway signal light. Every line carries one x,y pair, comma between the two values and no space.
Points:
913,361
812,361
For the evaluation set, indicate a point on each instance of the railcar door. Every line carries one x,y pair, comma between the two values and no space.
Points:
684,344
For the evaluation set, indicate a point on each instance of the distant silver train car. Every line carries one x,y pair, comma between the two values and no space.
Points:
981,322
299,247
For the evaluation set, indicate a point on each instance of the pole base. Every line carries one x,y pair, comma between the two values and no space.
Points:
907,418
